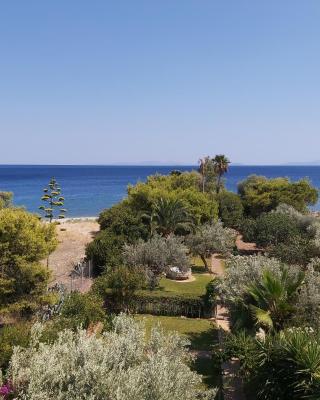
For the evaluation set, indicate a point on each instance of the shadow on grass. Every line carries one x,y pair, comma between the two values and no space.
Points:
203,340
210,371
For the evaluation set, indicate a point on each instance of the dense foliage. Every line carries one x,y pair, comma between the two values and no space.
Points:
202,207
230,209
5,199
82,310
120,364
285,234
157,255
281,366
24,241
260,194
123,282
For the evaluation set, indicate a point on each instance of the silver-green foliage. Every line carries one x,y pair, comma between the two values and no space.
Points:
120,365
242,271
158,253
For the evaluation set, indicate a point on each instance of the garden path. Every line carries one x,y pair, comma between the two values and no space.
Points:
232,384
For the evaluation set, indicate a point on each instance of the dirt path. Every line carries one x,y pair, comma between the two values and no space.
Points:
232,385
73,236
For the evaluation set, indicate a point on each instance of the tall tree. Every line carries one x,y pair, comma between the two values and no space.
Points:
208,174
221,166
52,196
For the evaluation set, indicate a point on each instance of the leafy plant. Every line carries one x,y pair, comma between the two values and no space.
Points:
271,300
169,216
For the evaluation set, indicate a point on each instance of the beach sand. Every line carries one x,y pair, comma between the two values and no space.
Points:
73,235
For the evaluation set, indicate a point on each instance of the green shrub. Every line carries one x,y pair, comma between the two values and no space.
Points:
274,228
10,336
83,310
230,209
105,250
298,250
281,366
147,303
122,220
123,281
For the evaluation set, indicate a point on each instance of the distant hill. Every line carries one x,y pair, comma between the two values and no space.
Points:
310,163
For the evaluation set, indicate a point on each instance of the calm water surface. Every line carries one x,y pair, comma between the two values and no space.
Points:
89,189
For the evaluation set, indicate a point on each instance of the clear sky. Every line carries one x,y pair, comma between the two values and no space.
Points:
102,82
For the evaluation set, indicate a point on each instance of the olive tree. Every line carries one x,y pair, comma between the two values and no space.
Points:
122,364
209,239
157,255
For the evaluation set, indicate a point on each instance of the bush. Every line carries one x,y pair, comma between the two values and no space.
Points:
298,250
105,251
122,220
274,228
24,241
82,310
123,281
5,199
121,364
230,209
147,303
10,336
281,366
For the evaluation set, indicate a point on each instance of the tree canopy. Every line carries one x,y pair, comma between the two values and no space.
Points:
211,238
24,241
260,194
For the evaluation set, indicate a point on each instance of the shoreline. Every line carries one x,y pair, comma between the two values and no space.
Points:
75,219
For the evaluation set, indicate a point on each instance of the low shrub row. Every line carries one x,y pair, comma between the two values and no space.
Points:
146,303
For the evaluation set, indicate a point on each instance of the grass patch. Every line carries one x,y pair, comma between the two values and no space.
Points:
196,288
198,266
202,333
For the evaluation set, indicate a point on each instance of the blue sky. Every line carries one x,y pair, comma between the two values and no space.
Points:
102,82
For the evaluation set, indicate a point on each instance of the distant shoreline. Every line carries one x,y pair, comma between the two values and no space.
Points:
75,219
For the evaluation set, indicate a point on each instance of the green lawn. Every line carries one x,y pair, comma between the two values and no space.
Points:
202,333
169,287
198,266
195,288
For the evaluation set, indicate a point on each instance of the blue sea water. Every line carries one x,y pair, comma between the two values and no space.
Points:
89,189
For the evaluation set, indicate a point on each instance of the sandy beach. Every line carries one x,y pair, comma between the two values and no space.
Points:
73,235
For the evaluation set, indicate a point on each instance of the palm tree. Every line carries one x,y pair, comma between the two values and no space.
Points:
271,300
203,162
169,215
221,166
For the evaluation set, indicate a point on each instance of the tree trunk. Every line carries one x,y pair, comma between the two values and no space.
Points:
203,258
219,183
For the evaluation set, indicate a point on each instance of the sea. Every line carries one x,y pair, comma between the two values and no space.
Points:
90,189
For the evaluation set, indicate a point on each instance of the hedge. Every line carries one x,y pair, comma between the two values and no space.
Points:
147,303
